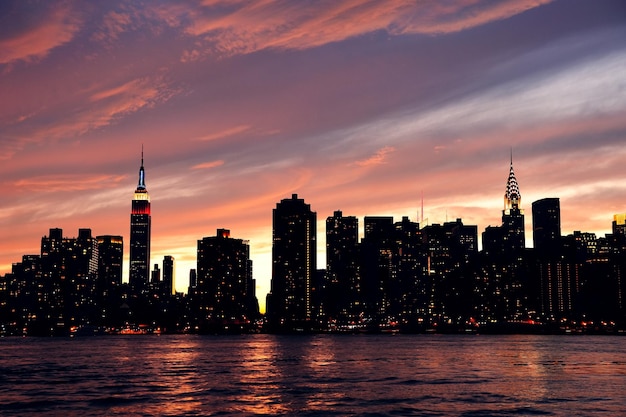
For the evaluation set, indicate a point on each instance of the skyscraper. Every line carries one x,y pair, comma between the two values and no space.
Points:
294,260
513,216
140,235
546,226
342,292
224,299
169,281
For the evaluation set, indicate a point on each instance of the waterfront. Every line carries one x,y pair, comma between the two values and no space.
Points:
420,375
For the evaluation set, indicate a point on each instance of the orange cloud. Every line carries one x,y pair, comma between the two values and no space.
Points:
58,27
379,158
208,165
225,133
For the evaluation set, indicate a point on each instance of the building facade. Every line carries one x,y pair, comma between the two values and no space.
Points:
140,229
294,260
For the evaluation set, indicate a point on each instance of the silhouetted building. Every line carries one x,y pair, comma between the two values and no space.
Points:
169,277
547,227
109,282
504,270
224,299
450,249
294,260
556,275
140,227
376,268
342,290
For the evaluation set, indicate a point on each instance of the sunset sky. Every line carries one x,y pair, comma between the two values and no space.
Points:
359,106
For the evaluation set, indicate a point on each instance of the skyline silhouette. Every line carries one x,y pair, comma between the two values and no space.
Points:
359,107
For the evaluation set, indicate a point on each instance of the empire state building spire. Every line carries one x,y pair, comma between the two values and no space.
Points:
512,196
140,226
142,174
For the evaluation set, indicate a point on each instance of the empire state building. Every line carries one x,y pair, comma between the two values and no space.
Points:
140,235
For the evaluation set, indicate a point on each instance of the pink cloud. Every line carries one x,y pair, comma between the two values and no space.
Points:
60,183
379,158
208,165
232,131
245,27
58,27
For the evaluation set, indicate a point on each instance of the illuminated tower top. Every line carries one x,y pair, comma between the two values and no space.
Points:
141,193
512,196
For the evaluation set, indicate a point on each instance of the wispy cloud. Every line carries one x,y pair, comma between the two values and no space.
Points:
231,131
208,165
62,183
55,25
379,158
230,28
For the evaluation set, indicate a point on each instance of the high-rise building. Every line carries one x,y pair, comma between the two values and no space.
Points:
556,275
109,282
224,298
294,259
376,266
341,299
140,235
169,278
547,226
513,216
110,258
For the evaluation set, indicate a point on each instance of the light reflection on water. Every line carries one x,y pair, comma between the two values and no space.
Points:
421,375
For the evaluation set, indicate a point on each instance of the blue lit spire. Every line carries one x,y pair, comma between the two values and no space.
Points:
142,174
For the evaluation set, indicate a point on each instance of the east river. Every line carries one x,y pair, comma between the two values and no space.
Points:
325,375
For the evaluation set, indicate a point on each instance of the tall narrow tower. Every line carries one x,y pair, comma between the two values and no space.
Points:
140,235
513,215
294,260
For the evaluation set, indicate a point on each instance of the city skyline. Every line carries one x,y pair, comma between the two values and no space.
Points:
360,109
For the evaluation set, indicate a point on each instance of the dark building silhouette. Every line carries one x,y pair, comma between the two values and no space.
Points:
169,278
547,226
376,267
109,282
341,300
451,249
224,298
505,271
557,276
140,227
294,260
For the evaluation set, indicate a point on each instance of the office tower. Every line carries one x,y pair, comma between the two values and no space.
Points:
504,271
547,226
412,291
224,298
109,282
450,249
68,275
513,216
341,298
140,235
110,258
294,259
376,265
556,275
169,280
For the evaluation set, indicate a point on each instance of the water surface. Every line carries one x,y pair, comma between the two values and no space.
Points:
369,375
